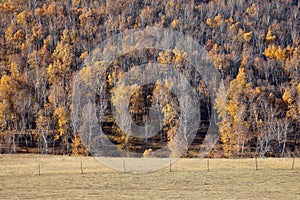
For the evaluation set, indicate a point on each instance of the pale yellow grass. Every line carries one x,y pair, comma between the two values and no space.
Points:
61,178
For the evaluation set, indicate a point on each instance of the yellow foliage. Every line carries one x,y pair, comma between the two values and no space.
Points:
274,52
241,31
289,48
270,51
179,56
63,58
228,139
209,22
230,20
241,77
51,73
174,23
244,62
62,121
168,84
87,76
280,54
14,70
41,121
164,58
217,19
287,98
220,103
19,35
216,22
269,36
257,90
292,113
247,36
4,108
76,144
232,121
252,10
148,153
234,26
171,4
232,107
112,78
296,52
220,60
21,18
83,55
6,87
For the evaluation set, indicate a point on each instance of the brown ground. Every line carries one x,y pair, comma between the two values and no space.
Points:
61,178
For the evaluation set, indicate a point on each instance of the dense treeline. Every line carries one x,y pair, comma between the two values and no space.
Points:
254,45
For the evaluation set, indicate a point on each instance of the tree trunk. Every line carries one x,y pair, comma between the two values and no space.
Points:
53,146
63,145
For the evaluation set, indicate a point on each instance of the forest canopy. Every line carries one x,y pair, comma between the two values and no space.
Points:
253,44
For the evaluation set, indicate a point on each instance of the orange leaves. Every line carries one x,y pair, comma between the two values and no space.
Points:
76,3
14,70
148,153
83,55
165,58
19,35
61,68
7,90
6,87
43,45
209,22
237,87
291,97
174,23
274,52
51,73
252,10
270,37
280,54
65,36
9,32
76,145
270,51
61,115
247,37
168,57
179,56
234,27
218,19
22,18
287,98
171,8
216,22
220,60
232,110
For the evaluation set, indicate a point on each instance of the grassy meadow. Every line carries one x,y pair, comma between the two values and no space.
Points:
61,177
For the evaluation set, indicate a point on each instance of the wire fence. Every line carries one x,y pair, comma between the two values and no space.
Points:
14,165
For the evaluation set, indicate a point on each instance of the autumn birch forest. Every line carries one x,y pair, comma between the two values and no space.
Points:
253,44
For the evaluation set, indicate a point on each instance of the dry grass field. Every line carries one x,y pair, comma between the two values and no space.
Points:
60,178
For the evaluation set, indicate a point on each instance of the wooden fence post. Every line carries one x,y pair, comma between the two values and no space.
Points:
124,166
256,163
208,164
39,168
293,164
